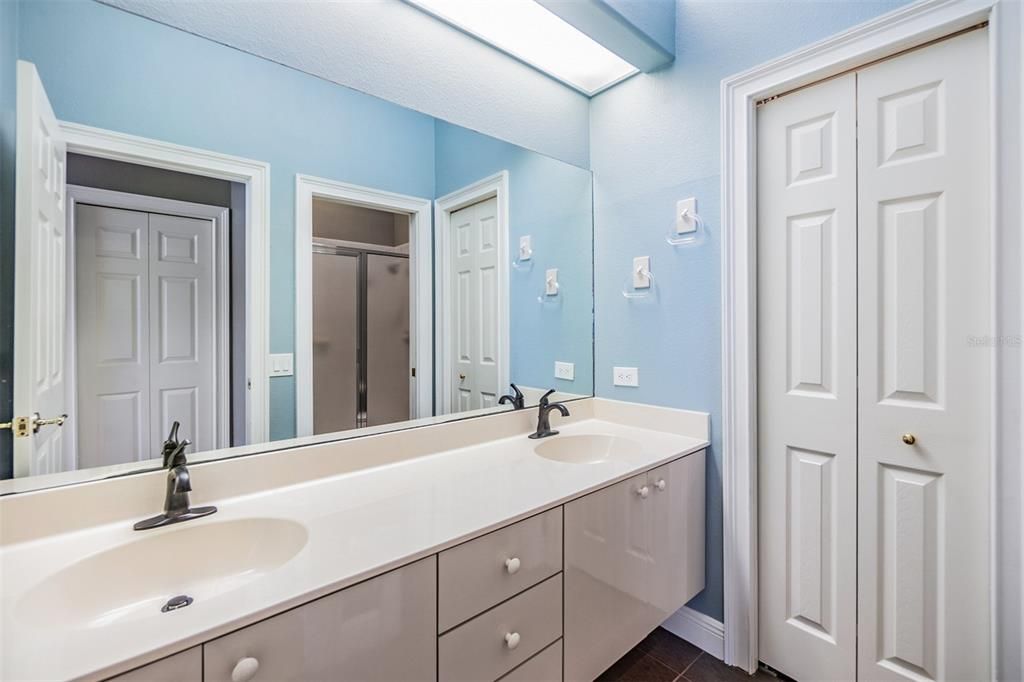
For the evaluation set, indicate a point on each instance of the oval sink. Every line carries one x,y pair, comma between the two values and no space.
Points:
585,449
136,579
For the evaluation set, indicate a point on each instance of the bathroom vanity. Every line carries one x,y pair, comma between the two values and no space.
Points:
475,554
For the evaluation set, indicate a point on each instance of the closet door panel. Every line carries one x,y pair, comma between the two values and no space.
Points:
925,368
807,328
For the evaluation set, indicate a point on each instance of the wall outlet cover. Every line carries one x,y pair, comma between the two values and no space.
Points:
565,371
625,376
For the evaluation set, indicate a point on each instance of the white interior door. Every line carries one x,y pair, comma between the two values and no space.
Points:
475,306
111,310
183,350
146,333
807,381
39,289
926,364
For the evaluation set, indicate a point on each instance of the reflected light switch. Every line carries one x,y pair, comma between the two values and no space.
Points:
282,364
525,248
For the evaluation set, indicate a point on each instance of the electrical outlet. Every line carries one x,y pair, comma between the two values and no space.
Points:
625,376
565,371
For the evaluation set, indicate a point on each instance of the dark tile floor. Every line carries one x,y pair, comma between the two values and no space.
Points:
663,657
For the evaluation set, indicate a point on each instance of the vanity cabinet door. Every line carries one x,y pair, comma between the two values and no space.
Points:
634,554
381,629
677,491
186,666
608,564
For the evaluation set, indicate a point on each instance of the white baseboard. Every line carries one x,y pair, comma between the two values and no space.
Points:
697,629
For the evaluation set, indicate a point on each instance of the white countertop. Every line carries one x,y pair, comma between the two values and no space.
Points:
360,524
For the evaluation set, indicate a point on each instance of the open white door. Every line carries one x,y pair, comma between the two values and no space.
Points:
40,401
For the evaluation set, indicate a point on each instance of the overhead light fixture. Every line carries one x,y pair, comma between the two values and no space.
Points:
533,34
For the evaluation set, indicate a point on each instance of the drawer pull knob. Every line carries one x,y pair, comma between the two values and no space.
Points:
643,491
512,640
512,565
660,485
245,669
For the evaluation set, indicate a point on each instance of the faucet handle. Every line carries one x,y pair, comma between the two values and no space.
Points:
544,398
177,456
170,445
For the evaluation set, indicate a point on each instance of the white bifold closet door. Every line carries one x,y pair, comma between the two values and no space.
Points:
925,301
807,381
874,380
145,333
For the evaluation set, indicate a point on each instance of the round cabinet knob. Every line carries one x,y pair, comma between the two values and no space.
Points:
643,491
512,565
512,640
661,485
909,438
245,669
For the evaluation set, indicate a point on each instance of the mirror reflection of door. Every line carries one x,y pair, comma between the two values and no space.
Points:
475,306
361,317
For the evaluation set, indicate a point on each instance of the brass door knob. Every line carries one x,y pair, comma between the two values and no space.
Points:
909,438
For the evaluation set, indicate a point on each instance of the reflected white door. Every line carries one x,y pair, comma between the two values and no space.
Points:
475,305
807,381
40,307
925,313
145,331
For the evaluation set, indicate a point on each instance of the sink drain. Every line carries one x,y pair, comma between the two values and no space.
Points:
175,603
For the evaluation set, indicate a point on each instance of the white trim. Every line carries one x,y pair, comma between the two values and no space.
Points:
492,186
885,35
421,322
698,629
255,175
219,216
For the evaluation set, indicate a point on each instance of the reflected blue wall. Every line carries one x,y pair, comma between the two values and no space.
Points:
654,139
551,201
110,69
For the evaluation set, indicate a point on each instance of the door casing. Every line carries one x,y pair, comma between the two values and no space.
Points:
888,34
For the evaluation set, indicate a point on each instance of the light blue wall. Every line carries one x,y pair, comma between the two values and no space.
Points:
552,202
8,58
107,68
655,139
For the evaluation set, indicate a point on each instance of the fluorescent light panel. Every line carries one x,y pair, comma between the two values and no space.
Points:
533,34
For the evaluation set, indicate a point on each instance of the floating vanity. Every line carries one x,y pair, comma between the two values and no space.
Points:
461,551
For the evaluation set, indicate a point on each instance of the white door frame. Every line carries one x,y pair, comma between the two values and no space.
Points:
306,188
492,186
886,35
220,217
255,175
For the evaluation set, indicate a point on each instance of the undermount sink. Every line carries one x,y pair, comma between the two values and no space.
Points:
585,449
136,579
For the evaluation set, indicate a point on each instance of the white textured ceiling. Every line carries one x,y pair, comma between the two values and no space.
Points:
394,51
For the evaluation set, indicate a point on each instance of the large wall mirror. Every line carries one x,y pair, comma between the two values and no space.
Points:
207,237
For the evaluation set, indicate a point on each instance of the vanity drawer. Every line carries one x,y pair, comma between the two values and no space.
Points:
186,666
498,640
478,574
544,667
378,630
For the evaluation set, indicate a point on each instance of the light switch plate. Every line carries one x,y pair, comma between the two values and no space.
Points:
625,376
551,282
689,223
525,247
565,370
641,268
282,364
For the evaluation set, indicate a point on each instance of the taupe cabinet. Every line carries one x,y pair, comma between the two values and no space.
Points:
634,554
492,607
